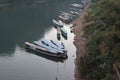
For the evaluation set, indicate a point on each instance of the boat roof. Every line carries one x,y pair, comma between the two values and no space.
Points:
42,45
51,44
63,30
35,46
57,44
76,5
59,23
54,21
48,47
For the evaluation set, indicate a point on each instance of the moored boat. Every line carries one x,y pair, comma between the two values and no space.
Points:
77,5
45,51
49,43
61,45
66,19
45,45
74,13
64,33
58,36
58,33
67,14
57,24
84,2
76,9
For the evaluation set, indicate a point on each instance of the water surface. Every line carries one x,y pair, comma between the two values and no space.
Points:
29,20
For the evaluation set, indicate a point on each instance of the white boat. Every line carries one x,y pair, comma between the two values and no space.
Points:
77,5
65,19
84,2
67,14
57,23
74,12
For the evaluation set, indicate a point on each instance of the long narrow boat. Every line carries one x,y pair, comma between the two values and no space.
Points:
61,45
76,9
67,14
58,33
49,43
57,24
65,19
64,33
74,13
45,51
39,43
77,5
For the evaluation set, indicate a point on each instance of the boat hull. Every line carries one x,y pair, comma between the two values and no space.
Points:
45,52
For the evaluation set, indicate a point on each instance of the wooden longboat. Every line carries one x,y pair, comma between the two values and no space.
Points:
45,51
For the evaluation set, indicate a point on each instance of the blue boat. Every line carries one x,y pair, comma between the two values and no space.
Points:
61,45
64,33
49,43
41,44
45,51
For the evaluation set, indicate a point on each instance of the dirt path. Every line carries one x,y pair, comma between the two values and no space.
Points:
79,40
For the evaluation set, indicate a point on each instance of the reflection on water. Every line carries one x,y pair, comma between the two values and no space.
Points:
46,56
29,20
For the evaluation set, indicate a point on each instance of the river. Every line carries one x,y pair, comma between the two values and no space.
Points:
30,20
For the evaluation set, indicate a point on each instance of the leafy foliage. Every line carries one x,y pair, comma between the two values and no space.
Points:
106,27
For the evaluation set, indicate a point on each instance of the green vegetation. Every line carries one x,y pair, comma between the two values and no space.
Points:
102,63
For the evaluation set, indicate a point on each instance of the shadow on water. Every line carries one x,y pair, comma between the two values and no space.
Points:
46,56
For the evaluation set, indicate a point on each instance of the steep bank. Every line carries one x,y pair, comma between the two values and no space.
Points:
79,40
98,55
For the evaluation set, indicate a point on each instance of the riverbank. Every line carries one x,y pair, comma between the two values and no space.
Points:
79,40
98,56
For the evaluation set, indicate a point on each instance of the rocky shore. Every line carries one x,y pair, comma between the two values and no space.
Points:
79,40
